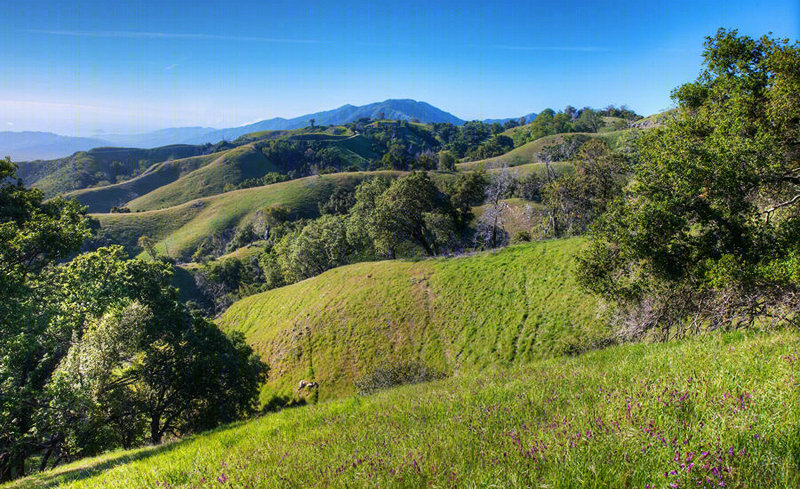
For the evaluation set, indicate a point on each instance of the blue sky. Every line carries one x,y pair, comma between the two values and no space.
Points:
81,68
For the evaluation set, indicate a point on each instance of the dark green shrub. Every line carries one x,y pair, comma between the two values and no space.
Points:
394,373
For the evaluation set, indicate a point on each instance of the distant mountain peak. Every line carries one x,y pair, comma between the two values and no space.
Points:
32,145
403,109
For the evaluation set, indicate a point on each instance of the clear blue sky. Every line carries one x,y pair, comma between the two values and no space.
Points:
76,68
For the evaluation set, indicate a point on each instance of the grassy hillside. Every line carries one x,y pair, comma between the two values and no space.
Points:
231,167
502,308
526,154
717,411
99,166
179,229
102,199
655,120
179,181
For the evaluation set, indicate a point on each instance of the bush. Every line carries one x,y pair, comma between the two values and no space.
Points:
394,373
521,237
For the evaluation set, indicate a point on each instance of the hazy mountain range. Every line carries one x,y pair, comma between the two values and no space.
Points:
28,145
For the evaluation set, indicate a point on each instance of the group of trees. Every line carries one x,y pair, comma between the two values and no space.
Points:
379,219
549,122
404,217
302,157
411,217
95,350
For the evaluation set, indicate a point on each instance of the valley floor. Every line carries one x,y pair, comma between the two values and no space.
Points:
716,411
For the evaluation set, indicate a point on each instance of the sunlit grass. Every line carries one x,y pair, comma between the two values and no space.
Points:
720,410
506,307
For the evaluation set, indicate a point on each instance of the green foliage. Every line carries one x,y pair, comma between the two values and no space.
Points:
495,146
400,214
468,191
340,202
397,158
34,235
320,246
564,150
574,201
395,373
589,121
363,225
84,360
268,179
447,162
713,207
224,281
244,236
426,160
149,245
468,137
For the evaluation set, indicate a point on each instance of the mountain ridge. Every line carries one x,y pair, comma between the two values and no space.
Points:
23,146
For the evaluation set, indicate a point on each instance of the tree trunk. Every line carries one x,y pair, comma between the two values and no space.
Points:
5,468
155,430
45,459
19,464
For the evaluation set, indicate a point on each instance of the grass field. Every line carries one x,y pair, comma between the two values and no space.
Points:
88,168
505,308
715,411
231,167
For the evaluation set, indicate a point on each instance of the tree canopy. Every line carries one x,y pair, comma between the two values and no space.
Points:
708,233
96,352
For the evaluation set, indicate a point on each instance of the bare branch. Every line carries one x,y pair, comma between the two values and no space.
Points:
772,209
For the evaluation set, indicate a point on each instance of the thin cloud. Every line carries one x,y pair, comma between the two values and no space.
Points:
388,45
170,67
53,105
579,49
166,35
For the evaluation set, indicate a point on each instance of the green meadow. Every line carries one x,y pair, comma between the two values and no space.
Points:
715,411
502,308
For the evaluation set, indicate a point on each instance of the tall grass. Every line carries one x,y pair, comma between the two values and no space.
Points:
717,411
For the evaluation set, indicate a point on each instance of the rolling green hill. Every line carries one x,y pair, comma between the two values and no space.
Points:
99,166
230,168
102,199
716,411
234,167
503,308
526,154
178,181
